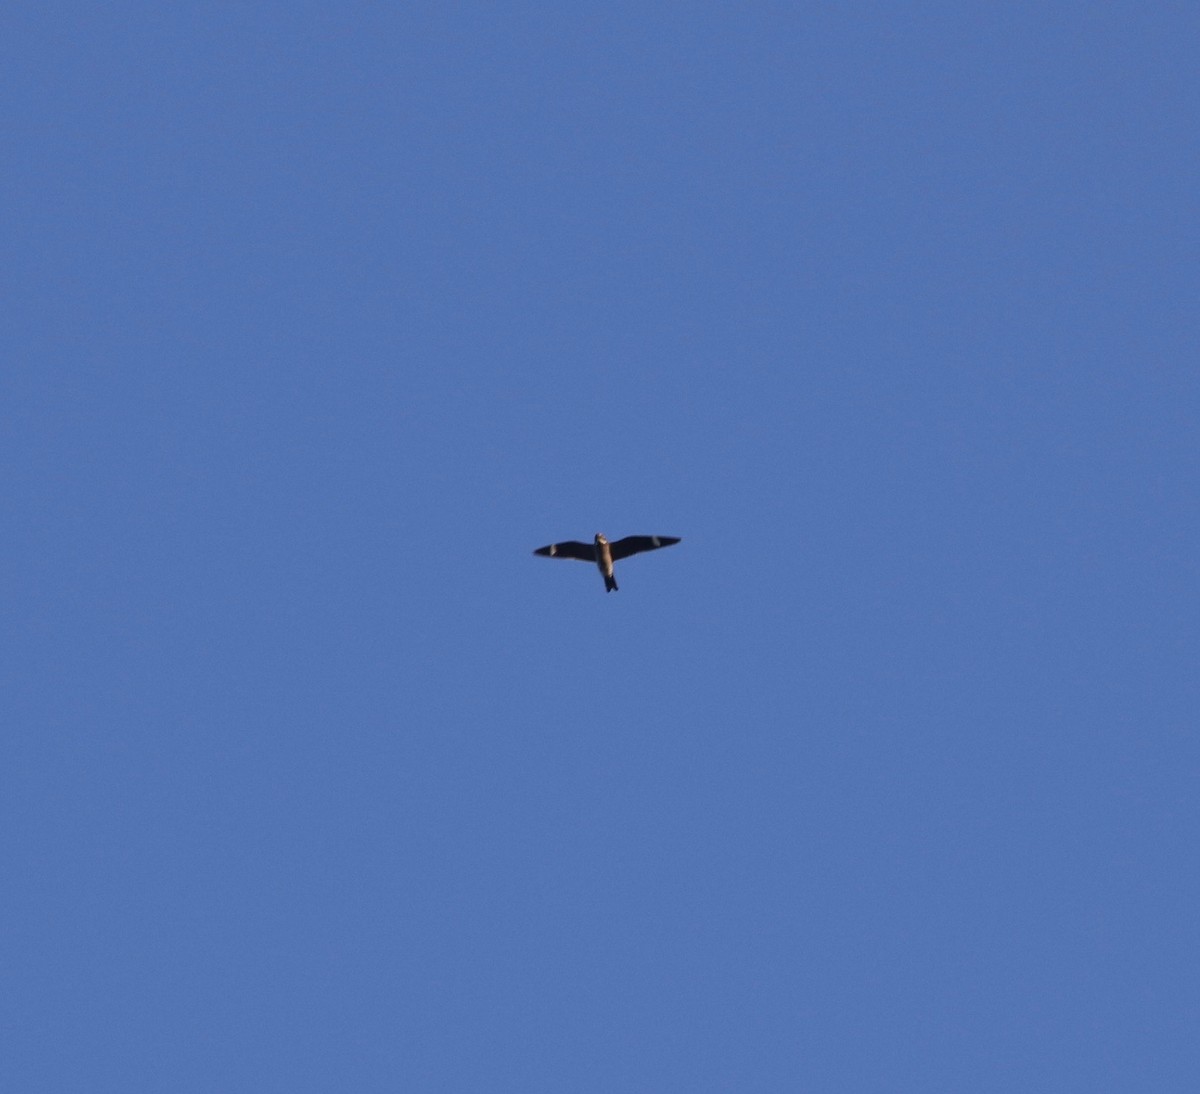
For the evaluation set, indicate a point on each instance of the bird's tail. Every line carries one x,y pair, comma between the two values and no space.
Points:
610,583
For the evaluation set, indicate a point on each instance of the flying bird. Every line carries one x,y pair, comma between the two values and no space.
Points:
604,554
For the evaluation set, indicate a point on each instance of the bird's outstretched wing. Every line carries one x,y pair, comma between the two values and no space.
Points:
585,552
632,545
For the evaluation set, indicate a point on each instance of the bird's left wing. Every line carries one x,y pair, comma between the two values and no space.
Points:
585,552
632,545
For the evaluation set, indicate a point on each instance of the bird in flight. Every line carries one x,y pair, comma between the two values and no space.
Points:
604,554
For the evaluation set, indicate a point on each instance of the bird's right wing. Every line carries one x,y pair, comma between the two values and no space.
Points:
585,552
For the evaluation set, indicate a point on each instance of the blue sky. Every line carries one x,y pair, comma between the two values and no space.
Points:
319,318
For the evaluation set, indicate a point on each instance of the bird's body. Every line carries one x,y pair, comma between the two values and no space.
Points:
605,563
604,554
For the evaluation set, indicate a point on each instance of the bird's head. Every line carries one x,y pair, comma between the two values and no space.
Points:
600,538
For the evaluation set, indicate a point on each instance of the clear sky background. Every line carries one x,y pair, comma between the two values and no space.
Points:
319,318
